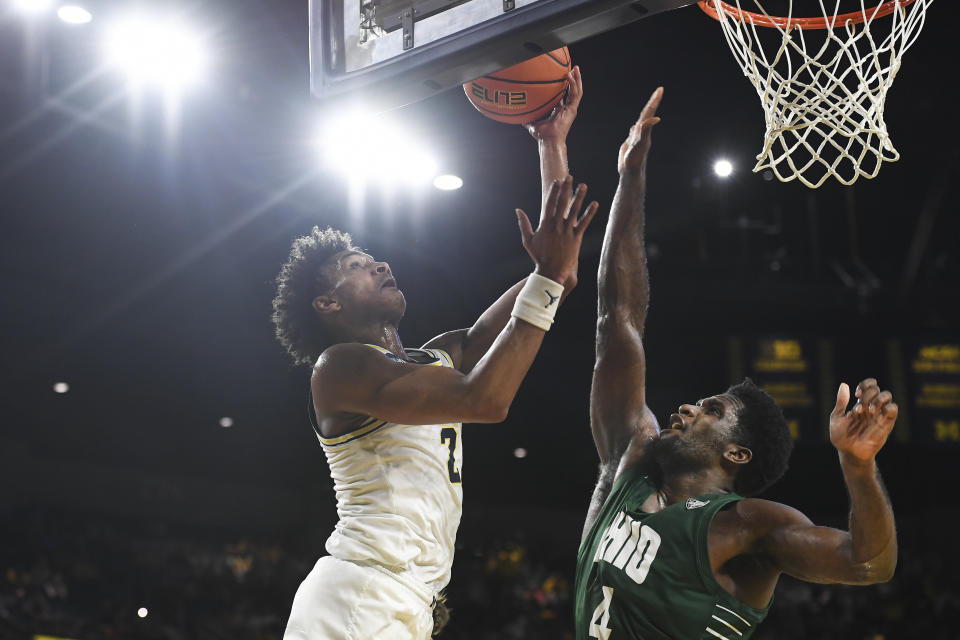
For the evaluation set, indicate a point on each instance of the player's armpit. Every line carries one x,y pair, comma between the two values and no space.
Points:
646,429
601,492
354,378
806,551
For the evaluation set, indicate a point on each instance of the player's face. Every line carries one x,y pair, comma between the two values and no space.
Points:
710,420
365,287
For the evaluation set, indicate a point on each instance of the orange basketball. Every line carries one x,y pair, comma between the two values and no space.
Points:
524,92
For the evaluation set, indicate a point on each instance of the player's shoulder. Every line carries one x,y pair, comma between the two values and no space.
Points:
351,357
749,524
335,354
761,516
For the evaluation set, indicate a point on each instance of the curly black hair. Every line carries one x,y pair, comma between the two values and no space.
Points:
761,428
300,281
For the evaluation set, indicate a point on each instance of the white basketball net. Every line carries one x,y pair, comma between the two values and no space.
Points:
823,91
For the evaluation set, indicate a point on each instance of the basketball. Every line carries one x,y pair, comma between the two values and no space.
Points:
524,92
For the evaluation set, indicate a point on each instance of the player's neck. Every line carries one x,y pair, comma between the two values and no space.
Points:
677,487
381,334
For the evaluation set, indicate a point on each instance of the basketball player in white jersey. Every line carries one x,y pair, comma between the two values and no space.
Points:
389,418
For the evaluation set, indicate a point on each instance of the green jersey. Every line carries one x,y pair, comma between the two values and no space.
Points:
647,576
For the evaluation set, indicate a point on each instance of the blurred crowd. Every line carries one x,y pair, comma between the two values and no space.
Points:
98,578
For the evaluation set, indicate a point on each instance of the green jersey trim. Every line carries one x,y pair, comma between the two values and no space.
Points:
703,560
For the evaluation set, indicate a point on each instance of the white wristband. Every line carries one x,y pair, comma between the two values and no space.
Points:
537,301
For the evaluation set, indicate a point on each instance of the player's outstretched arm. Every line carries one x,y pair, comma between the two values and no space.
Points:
352,378
619,417
551,133
467,346
867,553
618,395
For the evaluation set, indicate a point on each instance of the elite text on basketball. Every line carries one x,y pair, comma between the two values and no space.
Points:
499,97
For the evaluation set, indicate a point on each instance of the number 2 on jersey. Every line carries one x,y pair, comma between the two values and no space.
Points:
448,436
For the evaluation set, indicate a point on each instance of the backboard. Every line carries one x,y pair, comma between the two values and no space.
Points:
389,53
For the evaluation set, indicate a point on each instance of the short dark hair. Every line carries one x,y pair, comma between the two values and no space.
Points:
300,281
761,428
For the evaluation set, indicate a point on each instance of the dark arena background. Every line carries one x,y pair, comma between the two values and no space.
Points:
160,480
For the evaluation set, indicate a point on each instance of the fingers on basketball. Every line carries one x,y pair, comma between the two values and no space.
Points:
574,89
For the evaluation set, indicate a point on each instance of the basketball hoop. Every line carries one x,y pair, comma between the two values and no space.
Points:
823,82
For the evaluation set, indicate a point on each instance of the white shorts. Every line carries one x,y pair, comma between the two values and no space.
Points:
341,600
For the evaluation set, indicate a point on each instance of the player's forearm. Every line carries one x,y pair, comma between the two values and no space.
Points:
872,529
623,283
553,163
478,338
623,297
492,384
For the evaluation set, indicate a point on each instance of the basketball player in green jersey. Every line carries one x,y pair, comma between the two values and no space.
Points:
674,546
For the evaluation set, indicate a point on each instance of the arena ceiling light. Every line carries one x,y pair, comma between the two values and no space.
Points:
723,168
370,148
61,387
448,182
73,14
157,52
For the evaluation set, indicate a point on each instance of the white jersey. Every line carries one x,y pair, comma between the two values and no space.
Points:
399,493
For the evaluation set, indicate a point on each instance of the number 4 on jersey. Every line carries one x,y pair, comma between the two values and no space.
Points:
601,616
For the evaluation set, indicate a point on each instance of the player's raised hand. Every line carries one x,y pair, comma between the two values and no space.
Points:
555,245
862,431
634,150
557,125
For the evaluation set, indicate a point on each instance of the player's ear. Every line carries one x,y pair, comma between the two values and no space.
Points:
737,454
325,305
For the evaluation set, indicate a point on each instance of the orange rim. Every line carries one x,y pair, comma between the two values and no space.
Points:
761,20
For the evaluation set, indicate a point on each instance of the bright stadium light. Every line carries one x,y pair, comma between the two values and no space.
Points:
61,387
142,612
448,182
723,168
156,52
520,452
72,14
226,422
369,148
